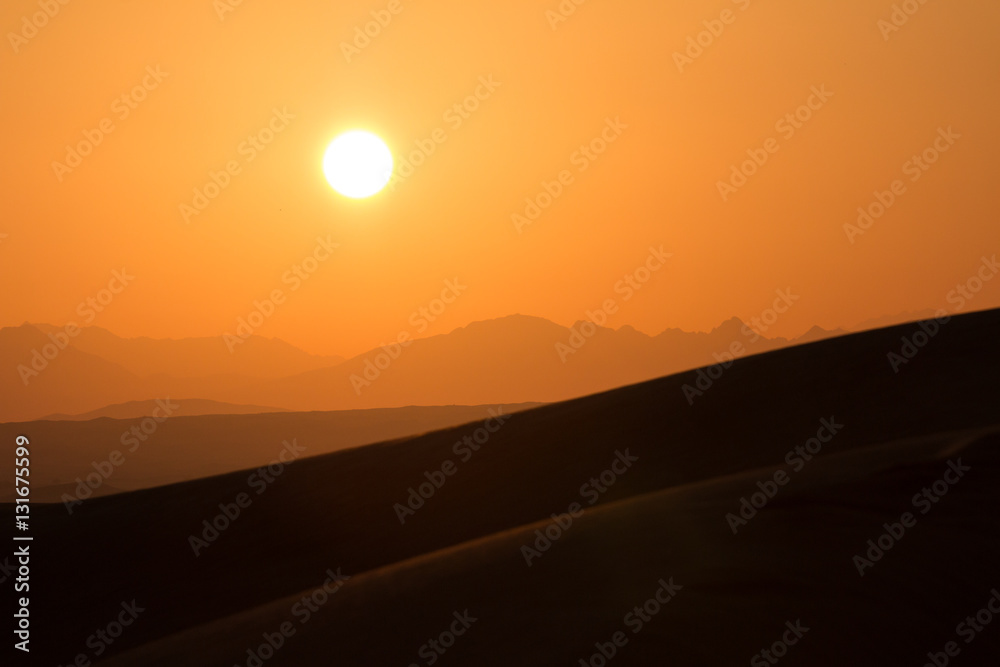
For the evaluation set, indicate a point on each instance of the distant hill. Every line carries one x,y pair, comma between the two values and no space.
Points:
196,357
185,407
44,372
38,378
818,333
512,359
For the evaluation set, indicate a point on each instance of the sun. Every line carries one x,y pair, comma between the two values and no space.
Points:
357,164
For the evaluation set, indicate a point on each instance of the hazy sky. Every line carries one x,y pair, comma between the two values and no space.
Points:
199,82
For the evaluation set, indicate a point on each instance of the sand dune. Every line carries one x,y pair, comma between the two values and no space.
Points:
734,593
887,435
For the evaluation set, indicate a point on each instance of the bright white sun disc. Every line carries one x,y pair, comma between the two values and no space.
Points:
357,164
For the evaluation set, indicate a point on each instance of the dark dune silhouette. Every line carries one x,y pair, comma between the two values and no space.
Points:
661,521
735,595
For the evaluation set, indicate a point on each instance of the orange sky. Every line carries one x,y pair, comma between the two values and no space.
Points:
555,89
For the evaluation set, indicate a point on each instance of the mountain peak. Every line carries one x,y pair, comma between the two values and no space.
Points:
732,325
